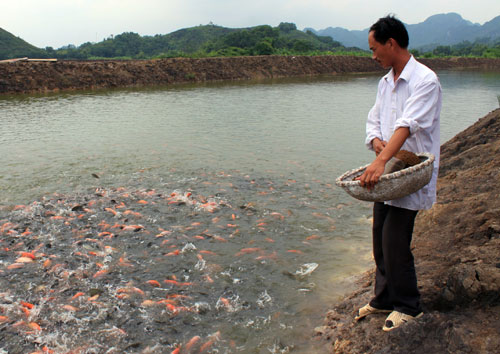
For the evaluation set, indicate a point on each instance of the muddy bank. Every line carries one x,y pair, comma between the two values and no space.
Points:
29,77
457,252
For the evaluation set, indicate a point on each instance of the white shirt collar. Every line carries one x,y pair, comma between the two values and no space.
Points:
405,74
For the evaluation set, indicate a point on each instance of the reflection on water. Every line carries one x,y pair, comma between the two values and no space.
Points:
228,188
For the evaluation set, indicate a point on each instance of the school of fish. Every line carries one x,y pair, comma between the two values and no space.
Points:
122,270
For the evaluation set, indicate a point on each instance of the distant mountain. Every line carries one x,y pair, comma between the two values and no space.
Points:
442,29
356,38
14,47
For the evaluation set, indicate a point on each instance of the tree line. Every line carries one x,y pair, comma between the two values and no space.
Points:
216,41
207,41
483,48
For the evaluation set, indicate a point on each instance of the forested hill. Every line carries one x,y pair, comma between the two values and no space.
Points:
199,41
13,47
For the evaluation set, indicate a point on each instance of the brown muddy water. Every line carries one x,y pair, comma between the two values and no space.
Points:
202,219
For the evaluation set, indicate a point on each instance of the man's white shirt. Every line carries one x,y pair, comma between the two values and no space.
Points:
414,102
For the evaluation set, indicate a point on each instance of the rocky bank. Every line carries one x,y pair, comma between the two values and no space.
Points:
31,77
457,254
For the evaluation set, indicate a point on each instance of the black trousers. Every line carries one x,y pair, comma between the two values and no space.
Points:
395,278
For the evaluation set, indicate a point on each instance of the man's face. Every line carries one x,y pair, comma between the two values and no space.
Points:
381,52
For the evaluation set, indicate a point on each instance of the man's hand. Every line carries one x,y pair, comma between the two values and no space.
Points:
378,145
372,173
384,151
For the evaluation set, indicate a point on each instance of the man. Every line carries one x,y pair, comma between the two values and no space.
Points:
405,115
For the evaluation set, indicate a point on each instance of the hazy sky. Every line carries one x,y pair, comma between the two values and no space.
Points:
60,22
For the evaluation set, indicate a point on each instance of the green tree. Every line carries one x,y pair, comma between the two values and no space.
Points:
287,27
302,46
264,47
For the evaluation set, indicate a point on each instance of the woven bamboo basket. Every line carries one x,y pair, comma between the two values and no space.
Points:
390,186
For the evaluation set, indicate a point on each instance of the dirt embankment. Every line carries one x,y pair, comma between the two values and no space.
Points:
29,77
457,255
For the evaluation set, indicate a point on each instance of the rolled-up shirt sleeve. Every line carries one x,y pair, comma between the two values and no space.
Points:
373,124
420,107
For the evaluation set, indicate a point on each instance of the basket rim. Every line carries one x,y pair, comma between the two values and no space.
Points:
398,174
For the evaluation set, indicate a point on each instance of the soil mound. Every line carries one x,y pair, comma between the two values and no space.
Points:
457,254
29,77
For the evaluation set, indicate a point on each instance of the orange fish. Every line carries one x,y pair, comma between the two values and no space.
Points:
132,227
207,345
148,303
192,342
46,350
219,238
295,251
170,281
130,212
35,326
312,237
93,298
100,273
175,282
208,252
15,265
70,308
172,308
27,304
268,256
153,283
112,211
278,215
58,217
225,302
77,295
178,296
248,250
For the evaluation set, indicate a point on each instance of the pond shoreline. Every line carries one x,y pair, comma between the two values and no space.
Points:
456,248
24,77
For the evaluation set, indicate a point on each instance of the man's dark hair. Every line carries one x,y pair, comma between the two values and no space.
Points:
390,27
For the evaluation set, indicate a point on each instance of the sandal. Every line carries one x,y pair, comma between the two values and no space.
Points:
369,310
396,319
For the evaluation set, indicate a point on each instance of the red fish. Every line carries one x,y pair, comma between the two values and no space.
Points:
248,250
192,342
153,283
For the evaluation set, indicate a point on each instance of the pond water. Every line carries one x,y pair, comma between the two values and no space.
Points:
205,217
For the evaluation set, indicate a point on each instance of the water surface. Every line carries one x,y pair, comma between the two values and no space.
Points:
265,154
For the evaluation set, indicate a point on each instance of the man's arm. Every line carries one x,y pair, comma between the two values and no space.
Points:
373,172
378,145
